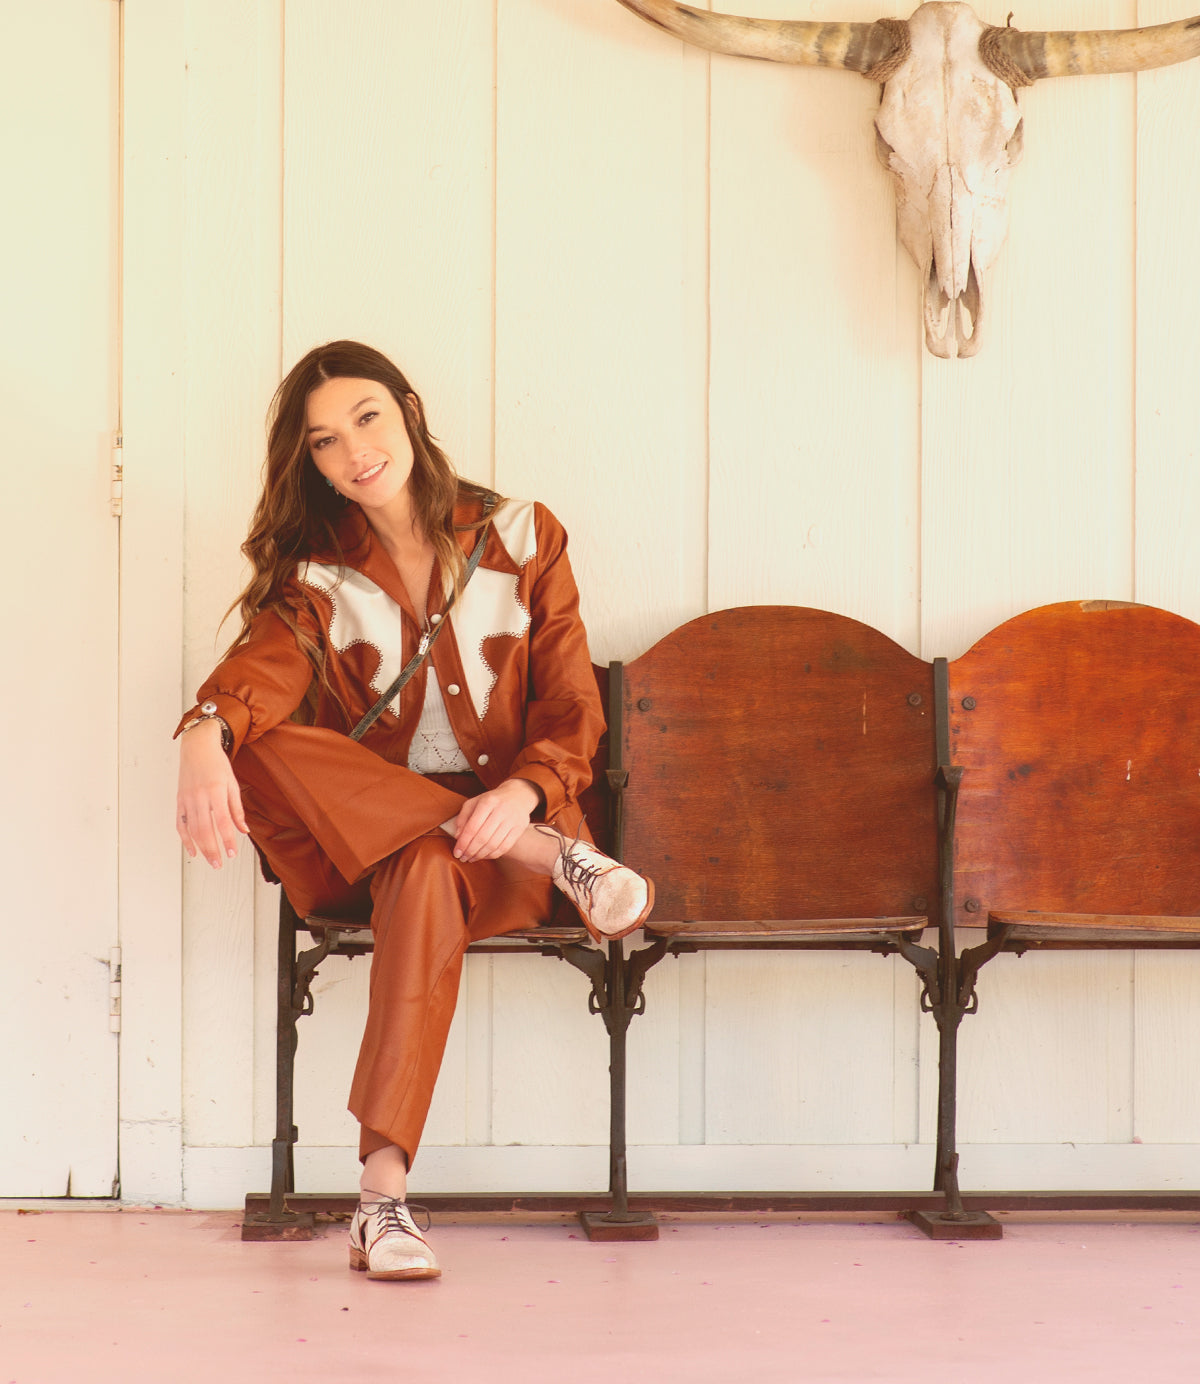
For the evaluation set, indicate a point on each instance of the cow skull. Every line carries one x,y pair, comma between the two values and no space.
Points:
948,128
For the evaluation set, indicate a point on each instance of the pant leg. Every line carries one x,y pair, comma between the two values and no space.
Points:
326,812
428,907
323,810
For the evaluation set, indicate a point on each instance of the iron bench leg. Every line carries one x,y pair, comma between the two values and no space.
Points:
293,999
949,995
617,995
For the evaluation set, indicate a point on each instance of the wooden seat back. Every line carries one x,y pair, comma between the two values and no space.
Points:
781,764
1078,729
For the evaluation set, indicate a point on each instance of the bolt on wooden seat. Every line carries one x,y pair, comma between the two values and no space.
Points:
774,771
1074,735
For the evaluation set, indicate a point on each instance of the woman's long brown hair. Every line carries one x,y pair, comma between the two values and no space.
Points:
298,515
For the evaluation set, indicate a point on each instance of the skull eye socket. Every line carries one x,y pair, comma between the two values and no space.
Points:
883,150
1016,145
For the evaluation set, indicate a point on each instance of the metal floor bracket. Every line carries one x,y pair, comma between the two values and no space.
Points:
961,1225
607,1225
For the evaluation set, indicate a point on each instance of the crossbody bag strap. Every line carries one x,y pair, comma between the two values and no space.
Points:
427,638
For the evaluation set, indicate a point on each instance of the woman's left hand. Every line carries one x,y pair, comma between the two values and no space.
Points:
490,825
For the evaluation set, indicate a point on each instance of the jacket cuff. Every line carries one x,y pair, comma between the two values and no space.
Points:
547,782
234,713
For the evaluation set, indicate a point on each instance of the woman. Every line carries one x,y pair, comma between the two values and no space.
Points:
459,809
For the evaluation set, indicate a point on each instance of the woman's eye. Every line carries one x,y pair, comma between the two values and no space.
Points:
368,417
321,442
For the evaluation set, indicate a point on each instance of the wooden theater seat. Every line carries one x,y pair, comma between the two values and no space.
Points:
781,782
773,770
1076,728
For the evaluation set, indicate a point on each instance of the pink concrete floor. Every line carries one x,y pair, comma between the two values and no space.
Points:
149,1296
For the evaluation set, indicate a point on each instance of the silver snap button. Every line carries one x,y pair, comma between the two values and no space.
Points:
454,689
209,708
435,619
483,759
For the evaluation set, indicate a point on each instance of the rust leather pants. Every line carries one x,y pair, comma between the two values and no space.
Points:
340,827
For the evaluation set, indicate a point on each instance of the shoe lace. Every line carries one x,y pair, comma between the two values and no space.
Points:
392,1211
580,875
576,872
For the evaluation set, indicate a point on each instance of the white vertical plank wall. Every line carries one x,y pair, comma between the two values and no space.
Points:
58,391
814,501
154,119
662,292
1027,498
1167,499
232,292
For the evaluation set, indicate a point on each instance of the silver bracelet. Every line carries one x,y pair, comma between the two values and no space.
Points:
208,712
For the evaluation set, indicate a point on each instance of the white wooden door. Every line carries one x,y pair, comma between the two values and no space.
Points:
59,352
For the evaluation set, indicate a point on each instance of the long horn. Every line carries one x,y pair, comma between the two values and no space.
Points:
1084,52
865,48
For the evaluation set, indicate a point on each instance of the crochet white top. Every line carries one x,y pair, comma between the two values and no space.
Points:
434,749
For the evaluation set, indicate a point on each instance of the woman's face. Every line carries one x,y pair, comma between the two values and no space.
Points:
359,441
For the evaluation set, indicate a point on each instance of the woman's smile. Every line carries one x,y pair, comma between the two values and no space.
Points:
358,440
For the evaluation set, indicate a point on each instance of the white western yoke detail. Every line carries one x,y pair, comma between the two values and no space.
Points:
364,613
489,606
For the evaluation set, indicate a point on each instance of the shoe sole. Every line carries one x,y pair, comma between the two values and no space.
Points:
358,1262
599,936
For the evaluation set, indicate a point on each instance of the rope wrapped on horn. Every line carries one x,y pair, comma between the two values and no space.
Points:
897,34
1092,52
996,59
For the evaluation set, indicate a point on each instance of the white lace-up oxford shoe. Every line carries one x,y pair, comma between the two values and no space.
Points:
612,899
385,1242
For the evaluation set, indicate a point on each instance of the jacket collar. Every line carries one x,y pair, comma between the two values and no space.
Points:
366,554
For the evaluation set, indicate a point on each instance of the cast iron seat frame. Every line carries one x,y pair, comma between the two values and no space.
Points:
634,692
352,937
1057,746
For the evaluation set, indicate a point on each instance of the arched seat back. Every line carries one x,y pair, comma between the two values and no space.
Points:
781,765
1078,729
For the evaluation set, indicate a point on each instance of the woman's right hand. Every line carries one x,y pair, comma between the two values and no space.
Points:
208,813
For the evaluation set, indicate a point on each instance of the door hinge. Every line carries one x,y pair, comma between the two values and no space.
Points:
116,478
114,990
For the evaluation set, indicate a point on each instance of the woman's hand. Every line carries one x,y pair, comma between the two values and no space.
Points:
208,815
490,825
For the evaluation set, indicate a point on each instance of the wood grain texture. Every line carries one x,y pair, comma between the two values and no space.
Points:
818,732
1081,757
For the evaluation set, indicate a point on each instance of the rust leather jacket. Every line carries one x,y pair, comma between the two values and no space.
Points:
513,666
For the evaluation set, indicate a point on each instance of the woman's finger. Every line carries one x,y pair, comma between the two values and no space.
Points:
236,811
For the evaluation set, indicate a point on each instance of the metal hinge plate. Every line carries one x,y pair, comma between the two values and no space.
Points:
116,478
114,990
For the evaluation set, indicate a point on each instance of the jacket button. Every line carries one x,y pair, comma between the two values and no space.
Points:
454,689
435,619
482,760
